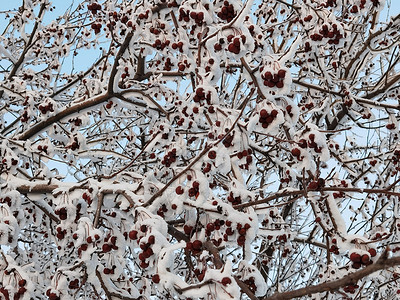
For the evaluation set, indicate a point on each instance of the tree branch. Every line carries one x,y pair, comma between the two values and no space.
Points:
381,264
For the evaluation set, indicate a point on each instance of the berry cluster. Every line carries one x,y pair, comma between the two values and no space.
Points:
107,271
27,76
308,18
87,198
94,7
195,247
206,167
227,12
234,200
198,17
391,126
396,156
273,80
303,143
144,15
201,96
21,289
286,178
6,200
351,289
169,158
168,64
334,248
45,108
4,165
212,226
249,159
61,213
61,233
52,295
157,31
365,259
194,190
227,142
184,15
97,27
330,3
316,185
147,251
42,148
74,145
266,117
242,233
251,284
182,65
74,284
340,194
332,34
109,244
76,121
234,43
199,274
218,46
289,111
160,45
162,210
123,76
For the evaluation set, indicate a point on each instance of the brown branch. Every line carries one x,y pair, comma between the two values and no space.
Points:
133,160
215,253
180,236
98,210
318,88
46,212
367,43
245,289
202,153
29,43
381,264
111,295
251,73
35,129
194,286
188,167
79,77
325,189
268,199
119,55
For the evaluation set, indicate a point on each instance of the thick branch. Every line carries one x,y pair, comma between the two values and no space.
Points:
352,278
63,114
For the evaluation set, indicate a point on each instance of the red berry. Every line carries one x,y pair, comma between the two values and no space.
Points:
365,259
197,245
268,75
179,190
212,154
372,252
313,185
281,73
155,278
226,280
22,282
296,152
355,257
